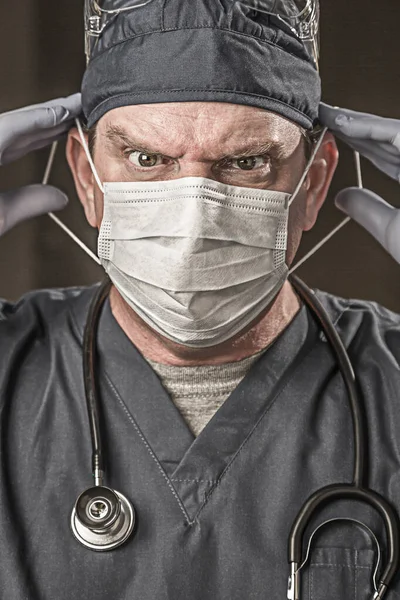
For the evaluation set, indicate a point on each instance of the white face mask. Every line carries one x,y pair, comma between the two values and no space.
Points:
196,259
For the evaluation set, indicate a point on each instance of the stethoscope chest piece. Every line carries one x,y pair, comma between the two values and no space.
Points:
102,519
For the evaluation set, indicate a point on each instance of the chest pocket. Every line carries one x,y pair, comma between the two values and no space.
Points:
338,574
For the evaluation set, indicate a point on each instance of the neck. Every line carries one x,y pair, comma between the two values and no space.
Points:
255,338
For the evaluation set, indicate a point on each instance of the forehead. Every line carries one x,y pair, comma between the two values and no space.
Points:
181,125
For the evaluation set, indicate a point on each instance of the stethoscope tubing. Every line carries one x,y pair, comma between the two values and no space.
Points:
90,380
358,489
347,371
333,493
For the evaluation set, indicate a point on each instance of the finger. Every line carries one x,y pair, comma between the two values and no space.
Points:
372,150
371,212
31,144
28,202
393,236
13,154
383,150
329,113
382,160
356,125
377,154
24,123
390,168
17,129
65,109
72,104
374,129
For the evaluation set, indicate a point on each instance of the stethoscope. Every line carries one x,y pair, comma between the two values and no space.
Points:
103,519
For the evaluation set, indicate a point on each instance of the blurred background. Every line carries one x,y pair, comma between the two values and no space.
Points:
41,45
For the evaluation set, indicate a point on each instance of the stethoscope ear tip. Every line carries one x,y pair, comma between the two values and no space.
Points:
102,519
379,595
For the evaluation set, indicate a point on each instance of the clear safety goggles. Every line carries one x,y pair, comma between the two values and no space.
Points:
98,13
301,17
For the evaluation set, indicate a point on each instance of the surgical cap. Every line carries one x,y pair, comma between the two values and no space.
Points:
204,51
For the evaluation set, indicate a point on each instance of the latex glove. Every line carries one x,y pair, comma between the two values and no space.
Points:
23,131
374,214
378,140
375,138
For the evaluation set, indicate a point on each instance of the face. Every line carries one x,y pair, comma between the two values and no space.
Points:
233,144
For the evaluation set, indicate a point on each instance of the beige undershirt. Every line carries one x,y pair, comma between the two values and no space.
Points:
198,392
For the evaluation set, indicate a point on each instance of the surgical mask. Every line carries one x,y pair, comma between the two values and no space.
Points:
196,259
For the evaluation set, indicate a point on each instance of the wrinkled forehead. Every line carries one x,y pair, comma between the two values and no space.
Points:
179,126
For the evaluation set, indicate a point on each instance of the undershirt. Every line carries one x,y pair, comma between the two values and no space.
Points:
199,391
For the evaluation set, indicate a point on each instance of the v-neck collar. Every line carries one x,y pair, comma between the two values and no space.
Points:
194,466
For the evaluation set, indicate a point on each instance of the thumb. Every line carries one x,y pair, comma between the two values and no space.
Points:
28,202
328,115
373,213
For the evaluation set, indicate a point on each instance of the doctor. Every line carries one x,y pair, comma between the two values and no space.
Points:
218,423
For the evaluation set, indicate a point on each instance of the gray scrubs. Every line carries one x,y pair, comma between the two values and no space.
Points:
214,512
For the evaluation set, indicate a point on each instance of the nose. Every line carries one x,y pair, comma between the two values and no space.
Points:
196,169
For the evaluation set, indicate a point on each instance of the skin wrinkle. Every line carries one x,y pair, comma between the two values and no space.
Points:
198,134
120,138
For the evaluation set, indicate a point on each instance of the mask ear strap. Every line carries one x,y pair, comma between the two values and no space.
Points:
52,216
308,167
85,147
336,229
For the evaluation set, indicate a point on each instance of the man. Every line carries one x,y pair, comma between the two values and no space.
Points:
219,424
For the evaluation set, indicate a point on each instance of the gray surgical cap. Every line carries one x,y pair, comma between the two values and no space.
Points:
200,51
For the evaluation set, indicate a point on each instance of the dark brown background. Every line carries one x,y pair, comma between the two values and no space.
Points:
41,49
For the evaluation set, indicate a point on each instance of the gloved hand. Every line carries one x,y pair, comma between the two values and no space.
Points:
378,140
23,131
374,214
375,138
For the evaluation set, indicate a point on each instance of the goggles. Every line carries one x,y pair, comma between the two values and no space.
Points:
301,17
97,15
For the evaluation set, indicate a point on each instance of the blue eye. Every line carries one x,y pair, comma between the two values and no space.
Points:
144,160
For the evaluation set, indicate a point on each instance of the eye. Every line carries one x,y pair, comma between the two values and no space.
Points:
248,163
142,159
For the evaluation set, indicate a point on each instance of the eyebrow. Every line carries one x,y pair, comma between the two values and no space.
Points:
276,149
117,135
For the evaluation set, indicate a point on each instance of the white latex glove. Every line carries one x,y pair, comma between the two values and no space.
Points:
378,140
23,131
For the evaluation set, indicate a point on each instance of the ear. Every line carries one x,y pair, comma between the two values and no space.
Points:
319,179
82,174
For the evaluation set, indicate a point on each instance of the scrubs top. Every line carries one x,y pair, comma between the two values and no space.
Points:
213,512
